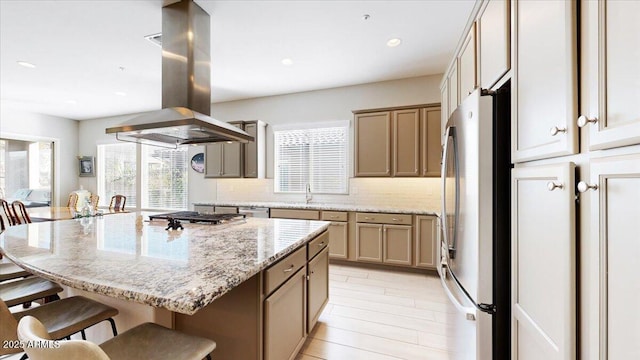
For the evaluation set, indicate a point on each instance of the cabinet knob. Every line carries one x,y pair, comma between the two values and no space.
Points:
583,186
583,121
556,130
551,185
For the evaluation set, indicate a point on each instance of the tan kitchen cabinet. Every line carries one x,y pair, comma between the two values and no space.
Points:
255,151
426,235
369,242
223,159
318,287
338,234
397,244
295,214
611,70
406,142
285,319
373,144
493,29
543,268
544,86
467,64
613,191
384,238
430,138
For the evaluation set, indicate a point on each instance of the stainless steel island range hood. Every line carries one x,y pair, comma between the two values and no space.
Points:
186,86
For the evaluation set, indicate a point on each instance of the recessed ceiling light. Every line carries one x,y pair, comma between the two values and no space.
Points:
26,64
287,62
394,42
120,93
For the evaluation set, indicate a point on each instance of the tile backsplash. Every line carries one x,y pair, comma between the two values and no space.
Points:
394,192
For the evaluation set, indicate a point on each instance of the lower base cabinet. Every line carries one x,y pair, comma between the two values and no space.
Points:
285,320
426,236
389,244
338,240
318,287
369,242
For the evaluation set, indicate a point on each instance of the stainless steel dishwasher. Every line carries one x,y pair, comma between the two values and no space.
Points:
251,211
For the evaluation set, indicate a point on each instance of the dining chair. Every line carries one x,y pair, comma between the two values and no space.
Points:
9,213
61,318
9,270
117,202
93,200
21,211
146,341
73,201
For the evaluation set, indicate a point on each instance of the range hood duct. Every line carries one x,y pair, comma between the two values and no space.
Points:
186,87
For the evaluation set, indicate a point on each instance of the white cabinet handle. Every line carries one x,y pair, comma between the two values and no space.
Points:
321,244
394,219
583,186
552,186
289,269
583,121
556,130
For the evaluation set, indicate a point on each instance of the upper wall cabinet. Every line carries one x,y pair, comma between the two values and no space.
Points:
430,149
611,63
493,29
452,85
444,103
544,93
467,64
406,142
373,144
236,160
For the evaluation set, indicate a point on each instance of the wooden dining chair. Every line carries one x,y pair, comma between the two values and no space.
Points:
73,201
61,318
21,211
93,200
117,202
146,341
12,218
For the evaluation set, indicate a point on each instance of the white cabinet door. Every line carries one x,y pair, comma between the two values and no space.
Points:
611,70
493,42
444,106
543,261
544,92
615,249
467,64
452,85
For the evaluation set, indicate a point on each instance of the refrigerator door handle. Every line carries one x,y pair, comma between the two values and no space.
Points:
469,311
450,244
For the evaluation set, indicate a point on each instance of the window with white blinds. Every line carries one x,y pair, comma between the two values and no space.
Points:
164,178
116,172
317,157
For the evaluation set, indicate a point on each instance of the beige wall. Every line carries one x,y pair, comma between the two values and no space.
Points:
20,125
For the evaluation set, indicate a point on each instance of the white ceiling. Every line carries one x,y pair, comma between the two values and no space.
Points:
80,46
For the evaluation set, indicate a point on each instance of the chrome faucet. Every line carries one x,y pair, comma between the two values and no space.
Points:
307,195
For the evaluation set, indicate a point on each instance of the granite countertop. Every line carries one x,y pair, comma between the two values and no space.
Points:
324,206
123,257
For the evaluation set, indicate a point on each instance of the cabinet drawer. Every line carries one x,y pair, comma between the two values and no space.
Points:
226,210
378,218
281,271
334,216
295,214
316,245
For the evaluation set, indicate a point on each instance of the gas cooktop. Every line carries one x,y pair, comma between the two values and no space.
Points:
196,217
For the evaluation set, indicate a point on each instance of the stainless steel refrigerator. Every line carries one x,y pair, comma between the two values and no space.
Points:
475,246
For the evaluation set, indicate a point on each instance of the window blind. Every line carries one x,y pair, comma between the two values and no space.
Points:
311,156
164,178
116,172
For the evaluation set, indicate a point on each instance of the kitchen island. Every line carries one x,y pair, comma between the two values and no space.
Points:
213,280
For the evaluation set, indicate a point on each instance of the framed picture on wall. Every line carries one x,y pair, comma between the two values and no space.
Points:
86,165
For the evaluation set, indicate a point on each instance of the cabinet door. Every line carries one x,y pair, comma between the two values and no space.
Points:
493,31
231,160
611,63
444,106
397,244
213,160
467,63
426,241
614,247
338,245
543,261
285,319
406,142
452,84
251,152
373,144
544,92
369,242
430,142
318,288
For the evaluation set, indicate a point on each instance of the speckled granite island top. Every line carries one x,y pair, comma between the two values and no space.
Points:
324,206
122,257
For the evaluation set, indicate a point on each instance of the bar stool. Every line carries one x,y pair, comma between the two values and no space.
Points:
29,289
61,318
146,341
73,201
117,202
9,271
20,212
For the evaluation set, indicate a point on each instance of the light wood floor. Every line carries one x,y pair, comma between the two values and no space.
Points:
381,314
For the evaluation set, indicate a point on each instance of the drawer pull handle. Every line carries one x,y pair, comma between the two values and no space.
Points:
394,219
289,269
333,216
368,218
321,244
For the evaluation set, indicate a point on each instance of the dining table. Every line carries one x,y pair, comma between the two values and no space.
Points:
51,213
